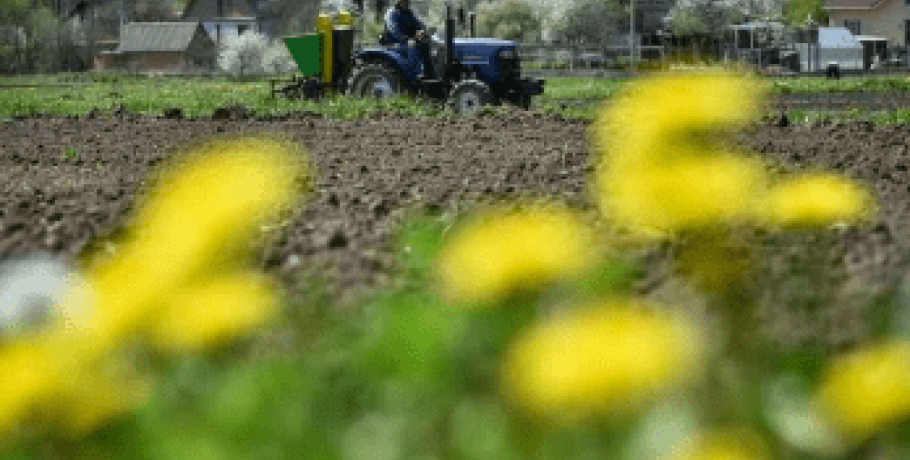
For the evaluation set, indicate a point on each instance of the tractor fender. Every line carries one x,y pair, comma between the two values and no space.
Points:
398,58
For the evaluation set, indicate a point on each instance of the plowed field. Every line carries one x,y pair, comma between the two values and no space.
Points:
814,286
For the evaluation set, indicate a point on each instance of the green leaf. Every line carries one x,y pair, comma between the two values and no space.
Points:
375,436
662,429
789,414
479,430
894,312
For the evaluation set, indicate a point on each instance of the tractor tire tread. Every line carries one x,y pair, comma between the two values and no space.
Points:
486,95
354,83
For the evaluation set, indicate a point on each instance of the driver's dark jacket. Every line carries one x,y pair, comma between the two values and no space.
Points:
401,24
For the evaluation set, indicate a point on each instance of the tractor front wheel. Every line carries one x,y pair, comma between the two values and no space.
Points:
374,80
469,96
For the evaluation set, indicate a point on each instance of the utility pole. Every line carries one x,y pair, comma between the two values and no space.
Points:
91,38
631,35
218,24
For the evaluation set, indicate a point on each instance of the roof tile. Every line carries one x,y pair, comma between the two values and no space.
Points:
156,36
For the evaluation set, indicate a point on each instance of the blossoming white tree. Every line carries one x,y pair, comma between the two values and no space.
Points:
243,54
277,58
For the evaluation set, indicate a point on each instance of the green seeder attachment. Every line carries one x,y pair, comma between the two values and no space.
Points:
306,53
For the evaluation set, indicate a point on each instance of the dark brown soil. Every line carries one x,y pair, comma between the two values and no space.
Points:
816,287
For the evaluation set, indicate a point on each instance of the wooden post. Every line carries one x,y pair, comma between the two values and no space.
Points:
571,57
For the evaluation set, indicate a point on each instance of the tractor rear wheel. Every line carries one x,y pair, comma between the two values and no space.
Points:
467,97
375,80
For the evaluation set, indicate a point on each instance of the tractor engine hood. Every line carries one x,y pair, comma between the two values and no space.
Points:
480,45
491,42
476,50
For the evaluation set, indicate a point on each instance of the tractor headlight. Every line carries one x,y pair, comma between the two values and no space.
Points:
508,54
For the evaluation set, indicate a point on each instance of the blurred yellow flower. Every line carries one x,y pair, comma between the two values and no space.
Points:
207,315
722,444
498,252
682,193
27,376
818,199
864,391
663,166
43,308
95,392
662,111
609,359
178,281
189,231
659,167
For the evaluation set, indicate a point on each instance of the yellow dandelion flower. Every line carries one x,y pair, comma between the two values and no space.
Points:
43,308
95,392
723,444
608,359
661,111
868,389
662,165
27,377
681,194
499,252
198,212
206,315
817,199
165,281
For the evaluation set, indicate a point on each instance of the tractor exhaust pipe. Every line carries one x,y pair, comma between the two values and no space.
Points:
471,17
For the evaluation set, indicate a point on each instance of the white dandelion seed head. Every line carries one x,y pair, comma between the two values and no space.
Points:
41,292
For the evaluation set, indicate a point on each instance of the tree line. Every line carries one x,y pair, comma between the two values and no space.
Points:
40,36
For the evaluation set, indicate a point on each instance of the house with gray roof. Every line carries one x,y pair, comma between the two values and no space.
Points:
886,19
163,47
224,18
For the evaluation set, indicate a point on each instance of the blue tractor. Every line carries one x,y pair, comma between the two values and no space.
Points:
467,72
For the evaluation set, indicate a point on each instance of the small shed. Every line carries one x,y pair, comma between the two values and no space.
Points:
164,47
829,45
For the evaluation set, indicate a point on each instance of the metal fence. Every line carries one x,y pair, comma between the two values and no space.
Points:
810,59
545,59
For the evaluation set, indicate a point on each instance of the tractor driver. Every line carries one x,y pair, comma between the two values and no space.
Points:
401,24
